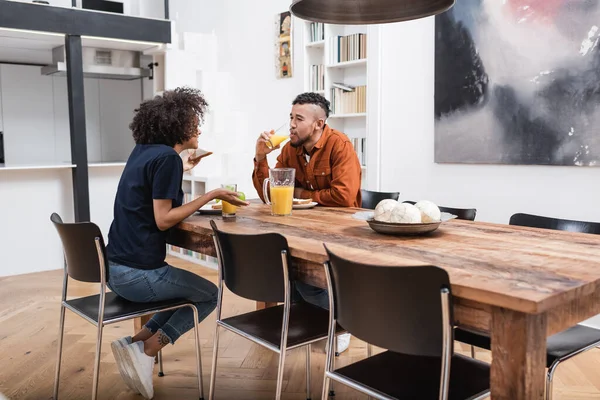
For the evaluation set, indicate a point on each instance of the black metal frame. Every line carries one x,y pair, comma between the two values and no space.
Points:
81,190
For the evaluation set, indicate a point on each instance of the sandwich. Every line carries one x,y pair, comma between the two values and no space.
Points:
302,201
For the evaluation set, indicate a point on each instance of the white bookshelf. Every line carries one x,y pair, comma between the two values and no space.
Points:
348,64
354,73
352,115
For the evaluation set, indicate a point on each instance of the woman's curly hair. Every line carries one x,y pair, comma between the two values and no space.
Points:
169,119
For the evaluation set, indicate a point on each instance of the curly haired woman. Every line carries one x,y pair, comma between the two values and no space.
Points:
148,203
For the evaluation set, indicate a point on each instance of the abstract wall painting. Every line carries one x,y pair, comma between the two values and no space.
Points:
518,82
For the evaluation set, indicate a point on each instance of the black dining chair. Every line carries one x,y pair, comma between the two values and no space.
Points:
370,199
255,267
408,311
85,261
563,345
467,214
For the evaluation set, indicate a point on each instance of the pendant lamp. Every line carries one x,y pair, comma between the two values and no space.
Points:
363,12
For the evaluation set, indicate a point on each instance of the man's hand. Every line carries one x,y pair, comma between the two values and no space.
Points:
298,192
261,146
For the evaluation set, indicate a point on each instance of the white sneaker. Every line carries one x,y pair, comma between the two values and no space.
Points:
139,367
118,350
343,342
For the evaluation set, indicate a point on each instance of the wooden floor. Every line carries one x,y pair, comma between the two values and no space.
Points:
29,325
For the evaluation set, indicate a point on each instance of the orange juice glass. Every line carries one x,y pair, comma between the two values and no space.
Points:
229,210
279,135
276,140
281,181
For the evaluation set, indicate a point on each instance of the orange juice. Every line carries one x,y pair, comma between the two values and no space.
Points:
281,200
228,209
275,140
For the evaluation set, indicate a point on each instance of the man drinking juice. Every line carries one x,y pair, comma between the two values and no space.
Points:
326,165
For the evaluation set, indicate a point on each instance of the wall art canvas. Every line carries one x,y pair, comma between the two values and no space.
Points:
518,82
283,45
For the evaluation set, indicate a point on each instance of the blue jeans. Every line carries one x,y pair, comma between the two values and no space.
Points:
161,284
312,294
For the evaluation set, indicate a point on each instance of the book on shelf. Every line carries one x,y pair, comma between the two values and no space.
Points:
348,48
344,87
317,32
317,78
351,101
360,147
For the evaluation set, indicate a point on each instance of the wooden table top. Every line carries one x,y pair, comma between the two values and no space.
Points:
523,269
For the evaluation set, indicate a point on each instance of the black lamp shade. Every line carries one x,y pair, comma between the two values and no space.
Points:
359,12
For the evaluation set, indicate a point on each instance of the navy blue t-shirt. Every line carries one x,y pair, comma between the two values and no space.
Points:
153,171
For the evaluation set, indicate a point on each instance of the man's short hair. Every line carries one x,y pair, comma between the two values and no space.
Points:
313,98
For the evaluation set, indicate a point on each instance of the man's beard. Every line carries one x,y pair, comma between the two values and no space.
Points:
299,143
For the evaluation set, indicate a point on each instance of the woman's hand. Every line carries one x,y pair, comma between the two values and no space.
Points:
189,161
232,198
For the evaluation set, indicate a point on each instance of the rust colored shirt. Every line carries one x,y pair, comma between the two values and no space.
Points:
331,178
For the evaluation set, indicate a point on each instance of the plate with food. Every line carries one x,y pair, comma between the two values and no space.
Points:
395,218
303,204
211,209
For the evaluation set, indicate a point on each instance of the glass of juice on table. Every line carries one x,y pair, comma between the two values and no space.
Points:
279,135
228,210
281,181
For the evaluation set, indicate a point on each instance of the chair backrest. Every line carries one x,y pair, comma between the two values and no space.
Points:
251,265
461,213
396,308
536,221
371,199
79,245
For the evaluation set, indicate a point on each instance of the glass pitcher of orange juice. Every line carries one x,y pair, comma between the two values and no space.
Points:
282,190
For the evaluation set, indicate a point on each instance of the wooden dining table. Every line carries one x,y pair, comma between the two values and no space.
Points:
518,284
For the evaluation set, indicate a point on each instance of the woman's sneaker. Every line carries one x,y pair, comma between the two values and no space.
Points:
118,350
140,367
343,342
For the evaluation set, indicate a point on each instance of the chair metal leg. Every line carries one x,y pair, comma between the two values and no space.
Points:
308,395
198,354
369,354
160,364
472,351
550,379
331,391
213,371
324,394
280,374
59,351
97,361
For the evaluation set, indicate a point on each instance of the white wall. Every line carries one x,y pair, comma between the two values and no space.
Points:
103,188
35,122
28,240
407,147
250,99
